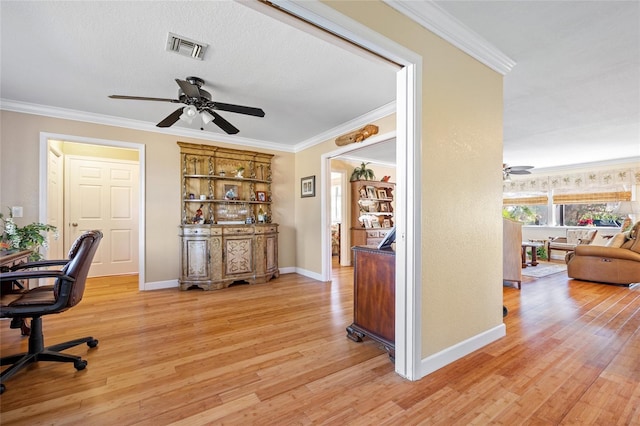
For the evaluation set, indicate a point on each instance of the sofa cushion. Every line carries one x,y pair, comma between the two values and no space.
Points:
600,240
617,241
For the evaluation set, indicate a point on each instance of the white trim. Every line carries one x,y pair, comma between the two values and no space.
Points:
438,21
107,120
570,167
408,310
45,137
374,115
459,350
160,285
309,274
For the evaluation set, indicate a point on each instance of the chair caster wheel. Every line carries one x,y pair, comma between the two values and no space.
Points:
80,364
92,343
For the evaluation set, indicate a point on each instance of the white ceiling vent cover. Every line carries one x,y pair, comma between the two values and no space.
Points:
185,47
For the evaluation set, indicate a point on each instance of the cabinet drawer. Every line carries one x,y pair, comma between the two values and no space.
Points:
201,231
237,230
266,229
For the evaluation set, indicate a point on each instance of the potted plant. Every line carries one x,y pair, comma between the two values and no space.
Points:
28,237
362,173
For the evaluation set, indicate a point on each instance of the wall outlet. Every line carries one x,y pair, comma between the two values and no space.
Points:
17,211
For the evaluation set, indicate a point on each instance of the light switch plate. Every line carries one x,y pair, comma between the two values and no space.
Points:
17,211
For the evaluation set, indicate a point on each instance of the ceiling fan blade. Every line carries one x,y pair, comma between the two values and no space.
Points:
257,112
171,118
191,90
520,167
143,98
519,172
222,123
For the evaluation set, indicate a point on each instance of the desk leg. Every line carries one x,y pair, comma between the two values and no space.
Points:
524,257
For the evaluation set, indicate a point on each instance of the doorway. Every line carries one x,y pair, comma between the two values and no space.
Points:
103,189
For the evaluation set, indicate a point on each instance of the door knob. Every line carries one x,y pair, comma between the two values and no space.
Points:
74,224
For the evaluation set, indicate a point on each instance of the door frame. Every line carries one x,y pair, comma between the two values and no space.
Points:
43,170
408,331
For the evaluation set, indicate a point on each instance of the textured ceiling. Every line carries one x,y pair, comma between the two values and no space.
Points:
74,54
573,96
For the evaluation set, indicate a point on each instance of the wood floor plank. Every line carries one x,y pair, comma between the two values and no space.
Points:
277,354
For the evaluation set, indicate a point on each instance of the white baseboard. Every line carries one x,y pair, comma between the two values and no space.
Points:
457,351
159,285
308,274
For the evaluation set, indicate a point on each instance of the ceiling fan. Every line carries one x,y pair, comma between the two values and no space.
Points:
198,102
514,170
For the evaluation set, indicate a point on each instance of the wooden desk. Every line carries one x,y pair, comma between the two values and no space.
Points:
6,262
374,297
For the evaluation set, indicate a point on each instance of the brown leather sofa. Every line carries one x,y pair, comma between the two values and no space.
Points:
608,264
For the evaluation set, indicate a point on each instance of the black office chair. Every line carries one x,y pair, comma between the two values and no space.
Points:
50,299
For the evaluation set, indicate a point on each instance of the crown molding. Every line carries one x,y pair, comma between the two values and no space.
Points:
616,162
435,19
349,126
107,120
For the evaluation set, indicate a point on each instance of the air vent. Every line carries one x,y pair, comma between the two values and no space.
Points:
186,47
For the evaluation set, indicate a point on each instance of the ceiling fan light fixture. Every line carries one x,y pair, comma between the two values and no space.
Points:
189,113
206,117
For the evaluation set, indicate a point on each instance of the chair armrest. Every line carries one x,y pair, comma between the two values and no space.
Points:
558,240
27,275
611,252
39,264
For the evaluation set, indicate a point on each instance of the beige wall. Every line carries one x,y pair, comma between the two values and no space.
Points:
308,210
19,156
461,182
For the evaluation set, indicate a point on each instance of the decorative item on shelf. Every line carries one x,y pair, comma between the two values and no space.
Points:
371,192
385,179
222,173
231,192
261,215
192,196
239,171
28,237
199,218
362,173
382,194
261,196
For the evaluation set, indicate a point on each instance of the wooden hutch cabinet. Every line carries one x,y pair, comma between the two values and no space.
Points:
226,231
371,211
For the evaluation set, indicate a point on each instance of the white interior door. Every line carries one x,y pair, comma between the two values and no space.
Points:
103,194
55,206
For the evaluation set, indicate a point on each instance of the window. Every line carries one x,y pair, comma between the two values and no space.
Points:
531,209
336,203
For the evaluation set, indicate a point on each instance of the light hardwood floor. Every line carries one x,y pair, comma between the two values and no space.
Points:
276,354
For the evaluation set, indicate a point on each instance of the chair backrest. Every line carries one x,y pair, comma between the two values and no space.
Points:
581,236
80,258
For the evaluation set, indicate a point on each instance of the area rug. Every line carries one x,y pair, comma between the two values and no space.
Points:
544,269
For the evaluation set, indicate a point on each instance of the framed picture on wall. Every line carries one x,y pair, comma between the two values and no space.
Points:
308,186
